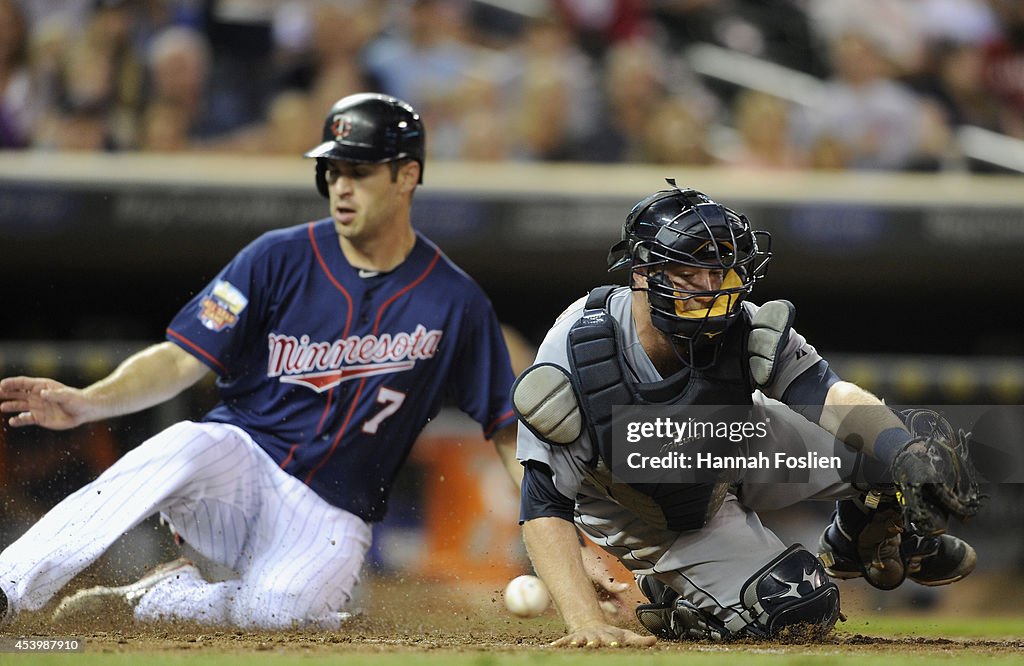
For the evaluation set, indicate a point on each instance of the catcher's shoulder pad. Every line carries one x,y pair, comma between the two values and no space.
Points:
769,330
545,401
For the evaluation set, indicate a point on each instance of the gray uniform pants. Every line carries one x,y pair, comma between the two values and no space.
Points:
709,566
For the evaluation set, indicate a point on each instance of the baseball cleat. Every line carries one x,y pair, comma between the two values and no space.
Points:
671,617
97,602
937,560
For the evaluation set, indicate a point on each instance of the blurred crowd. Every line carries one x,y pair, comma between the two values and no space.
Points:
531,80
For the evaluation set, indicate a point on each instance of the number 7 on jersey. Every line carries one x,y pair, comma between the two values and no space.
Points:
392,400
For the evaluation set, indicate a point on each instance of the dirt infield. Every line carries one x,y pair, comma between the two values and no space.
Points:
403,616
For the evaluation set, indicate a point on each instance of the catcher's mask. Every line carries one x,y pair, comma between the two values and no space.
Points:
369,128
684,227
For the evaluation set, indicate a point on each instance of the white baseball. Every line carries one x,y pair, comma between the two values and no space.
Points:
526,596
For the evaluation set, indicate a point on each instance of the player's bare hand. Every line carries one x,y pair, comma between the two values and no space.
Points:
604,636
41,402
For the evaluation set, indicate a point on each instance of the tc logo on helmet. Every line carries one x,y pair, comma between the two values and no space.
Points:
341,127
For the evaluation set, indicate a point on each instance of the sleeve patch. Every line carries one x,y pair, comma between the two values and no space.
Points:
222,307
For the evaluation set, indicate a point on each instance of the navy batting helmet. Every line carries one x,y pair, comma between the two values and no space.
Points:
369,128
684,226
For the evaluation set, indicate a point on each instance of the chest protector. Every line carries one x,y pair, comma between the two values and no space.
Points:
603,380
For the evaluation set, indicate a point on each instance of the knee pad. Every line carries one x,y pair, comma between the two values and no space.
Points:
792,592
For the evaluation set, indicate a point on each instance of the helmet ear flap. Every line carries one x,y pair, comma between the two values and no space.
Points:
321,177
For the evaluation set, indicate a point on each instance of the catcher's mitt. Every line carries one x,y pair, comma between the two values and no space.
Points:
934,476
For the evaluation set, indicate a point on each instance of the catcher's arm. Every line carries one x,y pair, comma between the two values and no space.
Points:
858,418
147,378
554,550
928,460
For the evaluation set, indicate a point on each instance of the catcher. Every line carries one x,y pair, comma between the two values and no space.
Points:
682,335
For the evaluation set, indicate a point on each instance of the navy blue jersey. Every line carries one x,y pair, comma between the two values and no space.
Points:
334,374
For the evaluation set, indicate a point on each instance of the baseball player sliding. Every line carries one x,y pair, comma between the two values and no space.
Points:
334,343
682,336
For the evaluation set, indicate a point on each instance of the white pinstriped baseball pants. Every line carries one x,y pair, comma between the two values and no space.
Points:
298,557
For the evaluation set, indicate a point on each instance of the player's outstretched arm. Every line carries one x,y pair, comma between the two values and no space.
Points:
146,378
554,550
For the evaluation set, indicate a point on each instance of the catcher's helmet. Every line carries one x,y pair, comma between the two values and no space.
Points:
684,226
370,128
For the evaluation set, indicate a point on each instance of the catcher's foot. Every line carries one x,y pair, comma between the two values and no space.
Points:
671,617
864,541
937,560
98,602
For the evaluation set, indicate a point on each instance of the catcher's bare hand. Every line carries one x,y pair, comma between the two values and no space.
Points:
604,635
42,402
